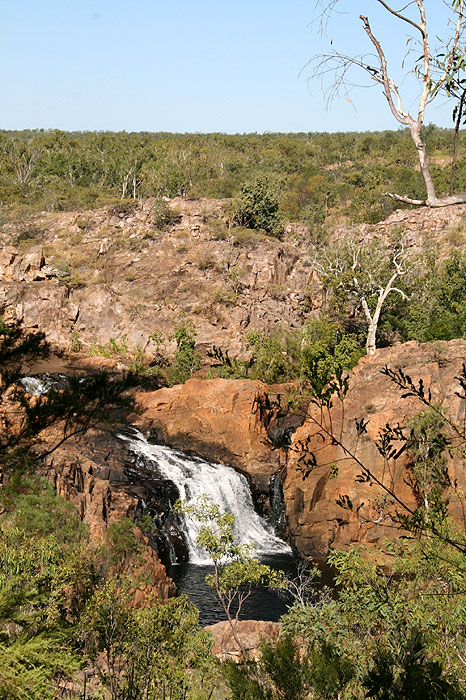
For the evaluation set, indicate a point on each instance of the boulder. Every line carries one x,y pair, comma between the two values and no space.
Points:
29,267
249,632
218,419
8,255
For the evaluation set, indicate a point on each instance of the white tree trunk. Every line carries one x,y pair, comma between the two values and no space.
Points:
371,338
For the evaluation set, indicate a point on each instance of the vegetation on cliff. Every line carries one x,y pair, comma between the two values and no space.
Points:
321,177
68,623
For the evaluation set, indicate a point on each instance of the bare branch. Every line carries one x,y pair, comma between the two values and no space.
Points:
400,16
406,200
389,85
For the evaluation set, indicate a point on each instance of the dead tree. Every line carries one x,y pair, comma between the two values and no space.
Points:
426,68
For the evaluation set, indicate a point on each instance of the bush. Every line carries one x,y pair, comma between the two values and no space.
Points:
285,672
437,308
258,206
186,360
163,215
313,354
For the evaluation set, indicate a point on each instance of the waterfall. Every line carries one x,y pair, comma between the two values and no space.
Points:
36,386
222,485
40,384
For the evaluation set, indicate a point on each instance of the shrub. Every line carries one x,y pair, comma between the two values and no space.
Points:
163,215
186,359
258,206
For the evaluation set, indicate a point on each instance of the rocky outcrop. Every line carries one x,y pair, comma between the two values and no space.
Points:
419,229
316,522
219,419
89,472
250,632
29,267
119,273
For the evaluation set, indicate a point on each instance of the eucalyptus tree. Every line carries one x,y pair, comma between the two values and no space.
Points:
432,61
358,276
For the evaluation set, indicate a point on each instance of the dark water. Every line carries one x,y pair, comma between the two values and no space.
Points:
263,604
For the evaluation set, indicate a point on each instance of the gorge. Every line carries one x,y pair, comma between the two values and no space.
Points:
212,404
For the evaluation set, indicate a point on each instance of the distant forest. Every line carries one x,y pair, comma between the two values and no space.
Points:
323,178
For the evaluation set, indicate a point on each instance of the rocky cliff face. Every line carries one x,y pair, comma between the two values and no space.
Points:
316,522
112,273
85,277
89,471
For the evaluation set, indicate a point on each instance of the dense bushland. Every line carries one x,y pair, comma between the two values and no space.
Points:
320,177
66,603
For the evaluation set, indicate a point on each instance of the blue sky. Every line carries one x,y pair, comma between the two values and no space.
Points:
148,65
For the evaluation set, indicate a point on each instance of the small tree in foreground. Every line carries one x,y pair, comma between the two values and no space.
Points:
236,571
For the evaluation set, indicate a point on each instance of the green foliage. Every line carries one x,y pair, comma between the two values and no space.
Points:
402,632
121,544
358,278
163,214
75,342
152,652
113,348
369,622
438,307
186,359
325,176
235,565
312,355
404,671
427,445
258,206
28,667
287,671
45,579
39,512
63,604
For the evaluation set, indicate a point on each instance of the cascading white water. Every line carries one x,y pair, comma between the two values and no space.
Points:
40,385
222,485
36,386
